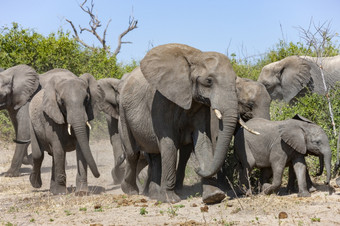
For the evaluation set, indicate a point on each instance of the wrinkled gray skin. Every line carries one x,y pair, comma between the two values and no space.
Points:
110,106
64,99
253,102
165,105
18,85
293,76
279,144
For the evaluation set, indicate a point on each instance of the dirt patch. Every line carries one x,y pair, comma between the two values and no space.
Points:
21,204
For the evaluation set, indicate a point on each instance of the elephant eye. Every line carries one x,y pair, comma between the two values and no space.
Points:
208,82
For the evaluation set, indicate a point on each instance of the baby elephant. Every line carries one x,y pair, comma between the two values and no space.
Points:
281,143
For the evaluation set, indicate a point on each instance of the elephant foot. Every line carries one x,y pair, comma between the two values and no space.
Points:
212,194
81,193
168,196
82,189
12,173
304,194
129,189
117,175
35,179
267,188
28,160
312,189
153,191
58,190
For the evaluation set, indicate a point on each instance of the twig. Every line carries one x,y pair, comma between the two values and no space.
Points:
237,198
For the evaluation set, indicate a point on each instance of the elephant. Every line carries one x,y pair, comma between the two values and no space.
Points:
279,144
60,113
165,106
110,106
253,102
18,85
1,69
294,76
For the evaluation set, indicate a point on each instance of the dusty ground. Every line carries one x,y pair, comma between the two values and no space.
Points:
20,204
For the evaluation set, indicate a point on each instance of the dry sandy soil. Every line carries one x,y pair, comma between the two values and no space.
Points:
20,204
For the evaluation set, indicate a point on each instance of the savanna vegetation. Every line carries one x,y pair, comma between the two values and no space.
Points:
20,45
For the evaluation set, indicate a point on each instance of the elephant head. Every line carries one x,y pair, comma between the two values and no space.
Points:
69,100
287,78
253,99
306,137
185,75
110,87
17,86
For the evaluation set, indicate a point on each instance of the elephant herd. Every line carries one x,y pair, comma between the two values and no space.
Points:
179,101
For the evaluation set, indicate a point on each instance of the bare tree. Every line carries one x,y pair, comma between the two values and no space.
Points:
95,23
318,38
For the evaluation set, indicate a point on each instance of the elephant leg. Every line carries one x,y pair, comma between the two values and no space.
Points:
129,185
143,180
38,157
310,185
299,165
168,179
117,171
21,123
244,180
58,176
266,174
291,179
277,179
184,155
155,175
81,179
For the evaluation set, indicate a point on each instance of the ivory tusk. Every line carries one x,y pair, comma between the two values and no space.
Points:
69,129
242,123
218,114
89,125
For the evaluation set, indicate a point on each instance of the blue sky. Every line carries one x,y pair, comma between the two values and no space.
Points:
245,28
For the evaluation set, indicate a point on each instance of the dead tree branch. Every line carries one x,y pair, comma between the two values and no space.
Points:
94,24
318,38
132,25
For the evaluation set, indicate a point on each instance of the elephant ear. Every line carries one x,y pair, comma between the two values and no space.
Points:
294,75
301,118
50,103
111,101
167,69
25,84
96,93
294,135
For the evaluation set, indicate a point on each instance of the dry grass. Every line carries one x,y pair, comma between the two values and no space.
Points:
107,205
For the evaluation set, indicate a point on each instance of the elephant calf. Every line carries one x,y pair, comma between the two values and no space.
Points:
279,144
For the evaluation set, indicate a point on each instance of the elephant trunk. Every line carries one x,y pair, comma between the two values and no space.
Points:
327,160
321,162
229,119
81,134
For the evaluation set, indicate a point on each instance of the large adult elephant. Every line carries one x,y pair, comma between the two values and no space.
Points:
281,143
165,105
18,85
60,113
253,102
293,76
